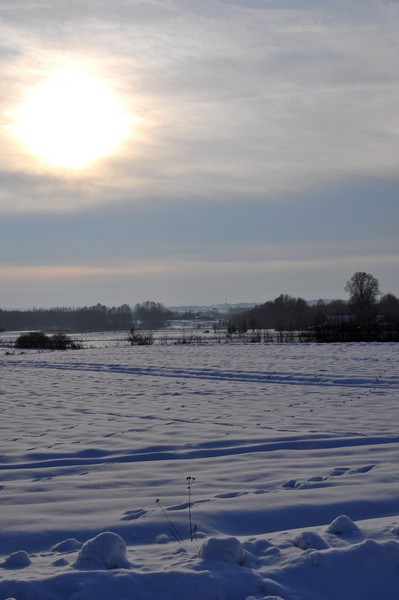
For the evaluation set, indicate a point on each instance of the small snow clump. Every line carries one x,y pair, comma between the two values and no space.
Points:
107,551
60,562
227,549
17,560
310,539
69,545
342,524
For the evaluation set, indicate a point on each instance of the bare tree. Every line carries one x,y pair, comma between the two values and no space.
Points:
363,289
152,315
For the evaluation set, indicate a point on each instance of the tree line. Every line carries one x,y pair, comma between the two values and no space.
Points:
149,314
368,314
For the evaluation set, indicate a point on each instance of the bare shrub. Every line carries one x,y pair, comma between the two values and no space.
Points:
140,338
40,341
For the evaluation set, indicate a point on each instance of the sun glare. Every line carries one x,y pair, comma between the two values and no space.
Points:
71,120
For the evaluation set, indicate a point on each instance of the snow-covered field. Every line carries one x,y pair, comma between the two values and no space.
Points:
294,450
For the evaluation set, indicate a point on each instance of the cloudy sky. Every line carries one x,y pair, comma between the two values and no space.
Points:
197,151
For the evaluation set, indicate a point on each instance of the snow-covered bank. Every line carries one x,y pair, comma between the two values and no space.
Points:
281,441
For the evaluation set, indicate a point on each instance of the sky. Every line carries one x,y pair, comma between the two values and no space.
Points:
196,152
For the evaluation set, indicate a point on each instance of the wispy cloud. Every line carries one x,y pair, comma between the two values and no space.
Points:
55,272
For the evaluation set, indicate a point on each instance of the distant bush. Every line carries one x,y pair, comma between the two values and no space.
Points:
40,341
140,338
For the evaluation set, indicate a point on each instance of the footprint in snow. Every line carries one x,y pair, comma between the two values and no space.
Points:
342,470
291,484
318,479
184,505
339,471
365,469
230,495
131,515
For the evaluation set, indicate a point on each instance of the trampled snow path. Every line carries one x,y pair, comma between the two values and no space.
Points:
381,379
279,438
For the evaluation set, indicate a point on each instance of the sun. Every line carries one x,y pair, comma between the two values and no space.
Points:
71,120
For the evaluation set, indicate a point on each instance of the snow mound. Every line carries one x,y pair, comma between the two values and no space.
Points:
69,545
227,549
342,524
310,539
17,560
60,562
105,551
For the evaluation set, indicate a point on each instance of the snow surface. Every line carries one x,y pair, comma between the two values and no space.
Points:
294,450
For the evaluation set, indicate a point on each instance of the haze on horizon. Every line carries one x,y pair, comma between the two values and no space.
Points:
197,152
